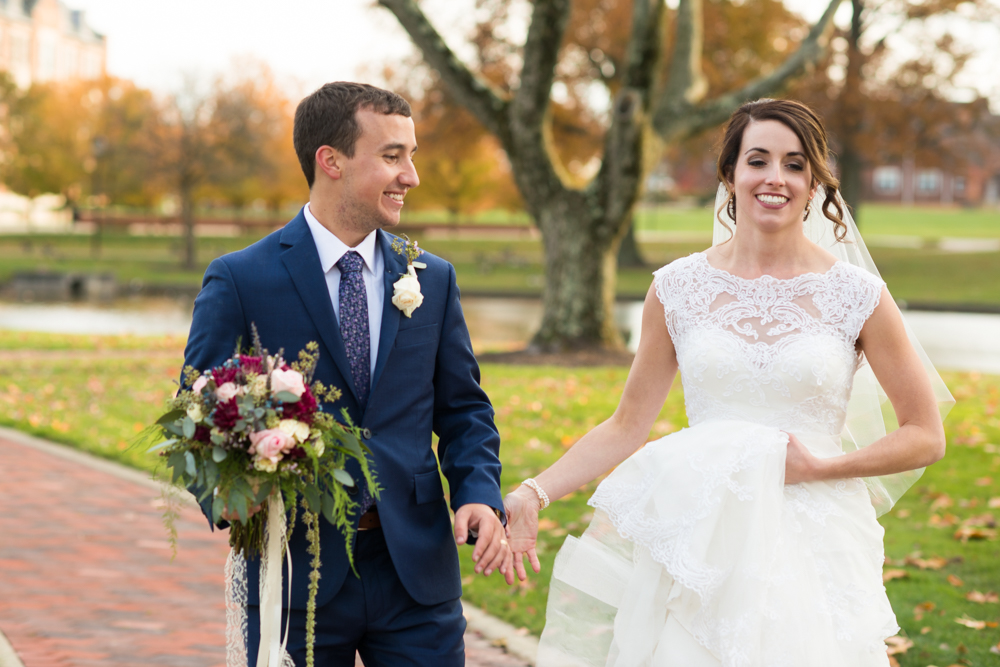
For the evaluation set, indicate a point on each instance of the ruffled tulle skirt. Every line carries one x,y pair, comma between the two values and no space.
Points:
699,556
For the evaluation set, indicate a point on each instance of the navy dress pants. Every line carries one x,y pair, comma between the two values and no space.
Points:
376,617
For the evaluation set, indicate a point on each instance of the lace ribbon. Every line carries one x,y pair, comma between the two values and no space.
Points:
272,650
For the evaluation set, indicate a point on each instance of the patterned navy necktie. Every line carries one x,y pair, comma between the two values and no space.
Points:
357,339
354,322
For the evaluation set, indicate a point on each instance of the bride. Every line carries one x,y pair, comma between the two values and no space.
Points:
750,538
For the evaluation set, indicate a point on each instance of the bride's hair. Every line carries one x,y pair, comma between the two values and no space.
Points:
806,125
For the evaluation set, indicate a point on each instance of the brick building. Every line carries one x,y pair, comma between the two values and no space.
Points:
44,40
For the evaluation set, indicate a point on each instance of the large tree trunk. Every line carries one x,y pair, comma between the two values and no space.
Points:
580,277
583,228
851,113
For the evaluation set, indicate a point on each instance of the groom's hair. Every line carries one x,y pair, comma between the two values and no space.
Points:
328,117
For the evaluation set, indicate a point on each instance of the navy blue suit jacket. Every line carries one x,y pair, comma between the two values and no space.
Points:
426,380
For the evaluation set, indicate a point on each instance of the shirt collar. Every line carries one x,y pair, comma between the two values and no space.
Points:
331,248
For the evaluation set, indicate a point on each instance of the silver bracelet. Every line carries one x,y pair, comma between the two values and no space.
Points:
543,497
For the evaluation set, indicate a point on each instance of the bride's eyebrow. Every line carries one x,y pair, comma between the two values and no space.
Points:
767,152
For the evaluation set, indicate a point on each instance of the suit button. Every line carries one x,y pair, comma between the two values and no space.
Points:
352,490
366,433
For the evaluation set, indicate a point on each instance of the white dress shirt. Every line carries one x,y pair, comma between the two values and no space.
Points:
331,249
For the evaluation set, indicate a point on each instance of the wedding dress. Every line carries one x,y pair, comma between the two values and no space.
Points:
698,554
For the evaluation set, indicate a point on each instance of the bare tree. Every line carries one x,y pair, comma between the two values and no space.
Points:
582,226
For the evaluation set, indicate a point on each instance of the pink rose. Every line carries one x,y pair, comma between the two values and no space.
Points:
199,384
271,444
290,381
226,392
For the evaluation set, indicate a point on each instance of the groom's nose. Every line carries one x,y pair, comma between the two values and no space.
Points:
408,177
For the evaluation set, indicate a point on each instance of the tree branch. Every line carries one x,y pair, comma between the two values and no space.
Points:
479,97
541,51
686,82
675,119
618,182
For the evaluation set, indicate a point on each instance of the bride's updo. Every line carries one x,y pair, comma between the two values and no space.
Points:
806,125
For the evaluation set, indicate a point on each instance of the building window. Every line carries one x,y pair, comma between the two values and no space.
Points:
928,181
887,179
959,185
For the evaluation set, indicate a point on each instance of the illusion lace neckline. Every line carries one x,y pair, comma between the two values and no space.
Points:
767,278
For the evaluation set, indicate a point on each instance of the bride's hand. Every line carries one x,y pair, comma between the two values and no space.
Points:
522,508
800,464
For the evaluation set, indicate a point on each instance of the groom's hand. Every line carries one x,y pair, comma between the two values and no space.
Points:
491,551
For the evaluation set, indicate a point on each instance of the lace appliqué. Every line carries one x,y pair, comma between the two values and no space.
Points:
775,352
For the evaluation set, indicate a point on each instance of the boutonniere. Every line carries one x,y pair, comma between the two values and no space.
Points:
406,291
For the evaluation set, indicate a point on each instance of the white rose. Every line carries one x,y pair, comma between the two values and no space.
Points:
265,465
406,295
290,381
319,447
295,429
226,392
195,413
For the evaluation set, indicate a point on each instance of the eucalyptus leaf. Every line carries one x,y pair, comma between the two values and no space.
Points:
219,454
188,427
217,438
258,412
262,493
191,465
176,463
351,443
343,477
174,428
240,505
171,416
218,505
328,506
165,443
211,473
286,397
312,497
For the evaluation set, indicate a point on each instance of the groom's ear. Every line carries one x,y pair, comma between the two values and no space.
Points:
330,161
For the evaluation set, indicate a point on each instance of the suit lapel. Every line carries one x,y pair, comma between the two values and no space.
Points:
394,268
302,261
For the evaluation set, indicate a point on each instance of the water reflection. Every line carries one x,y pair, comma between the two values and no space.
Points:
956,341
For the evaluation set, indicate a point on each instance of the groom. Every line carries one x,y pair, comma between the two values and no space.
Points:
328,276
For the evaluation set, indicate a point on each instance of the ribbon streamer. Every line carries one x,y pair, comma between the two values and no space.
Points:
272,651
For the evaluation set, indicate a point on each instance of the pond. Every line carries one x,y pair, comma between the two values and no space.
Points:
955,341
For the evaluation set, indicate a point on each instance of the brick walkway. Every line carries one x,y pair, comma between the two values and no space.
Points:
86,577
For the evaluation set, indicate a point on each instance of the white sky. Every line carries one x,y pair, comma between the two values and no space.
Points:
310,42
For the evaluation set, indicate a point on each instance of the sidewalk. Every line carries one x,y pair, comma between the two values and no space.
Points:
86,577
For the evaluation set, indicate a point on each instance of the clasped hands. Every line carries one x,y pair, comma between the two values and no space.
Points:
497,548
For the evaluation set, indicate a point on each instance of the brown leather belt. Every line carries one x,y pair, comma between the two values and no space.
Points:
369,520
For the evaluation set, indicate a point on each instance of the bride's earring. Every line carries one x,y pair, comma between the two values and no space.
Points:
805,214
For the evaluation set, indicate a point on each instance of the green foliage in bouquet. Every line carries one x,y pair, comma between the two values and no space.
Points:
254,428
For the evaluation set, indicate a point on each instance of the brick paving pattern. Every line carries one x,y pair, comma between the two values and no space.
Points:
86,576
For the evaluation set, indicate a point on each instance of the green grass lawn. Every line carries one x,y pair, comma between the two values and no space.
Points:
96,393
515,266
927,221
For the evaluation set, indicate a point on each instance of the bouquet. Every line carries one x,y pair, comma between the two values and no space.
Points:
252,434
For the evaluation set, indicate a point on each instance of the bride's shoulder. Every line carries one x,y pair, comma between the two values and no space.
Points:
857,276
682,267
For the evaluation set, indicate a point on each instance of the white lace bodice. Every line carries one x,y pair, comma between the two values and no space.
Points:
775,352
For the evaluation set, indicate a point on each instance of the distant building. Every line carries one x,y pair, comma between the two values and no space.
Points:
965,170
44,40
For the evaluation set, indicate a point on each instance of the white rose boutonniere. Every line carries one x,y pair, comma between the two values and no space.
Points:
406,291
